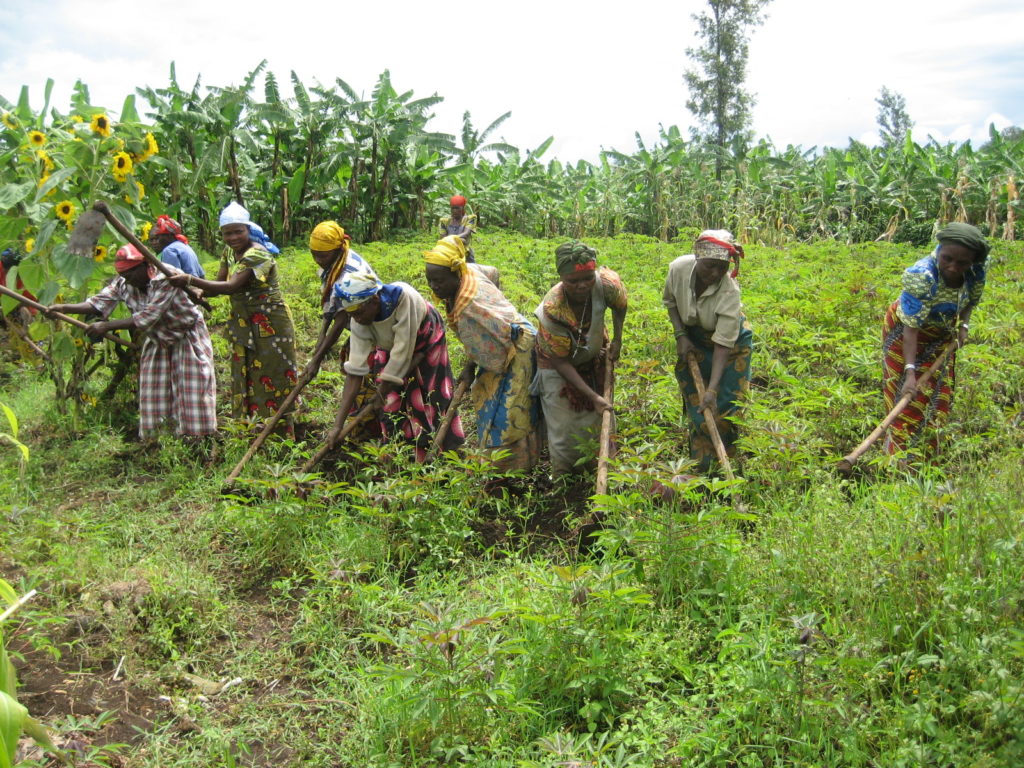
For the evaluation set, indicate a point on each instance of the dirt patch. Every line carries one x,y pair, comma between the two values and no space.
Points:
58,691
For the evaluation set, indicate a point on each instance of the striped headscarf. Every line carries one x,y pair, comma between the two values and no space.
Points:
355,288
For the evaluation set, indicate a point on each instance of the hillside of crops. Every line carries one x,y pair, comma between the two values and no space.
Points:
404,616
381,612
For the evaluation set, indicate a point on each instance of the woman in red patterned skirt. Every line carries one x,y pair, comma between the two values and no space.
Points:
939,294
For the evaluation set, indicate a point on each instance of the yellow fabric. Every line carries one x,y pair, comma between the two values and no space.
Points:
449,252
467,290
326,236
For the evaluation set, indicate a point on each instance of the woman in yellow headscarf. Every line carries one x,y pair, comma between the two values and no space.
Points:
497,339
330,249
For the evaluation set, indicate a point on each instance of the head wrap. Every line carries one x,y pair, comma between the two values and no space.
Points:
457,200
10,257
128,257
356,287
965,235
575,256
449,252
236,214
165,225
718,244
328,235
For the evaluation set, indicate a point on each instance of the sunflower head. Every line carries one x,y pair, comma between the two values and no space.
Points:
99,253
121,166
100,124
145,230
30,245
36,138
10,120
65,211
151,146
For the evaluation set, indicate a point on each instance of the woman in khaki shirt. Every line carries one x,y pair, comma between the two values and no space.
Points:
703,303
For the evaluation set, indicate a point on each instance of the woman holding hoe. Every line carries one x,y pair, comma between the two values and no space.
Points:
260,327
939,294
176,378
499,341
573,349
703,303
398,338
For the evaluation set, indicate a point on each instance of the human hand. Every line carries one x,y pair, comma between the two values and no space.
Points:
62,308
601,405
909,384
683,347
96,330
615,349
961,338
709,400
179,280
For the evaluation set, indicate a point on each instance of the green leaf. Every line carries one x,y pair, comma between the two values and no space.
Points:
46,230
128,112
12,718
12,194
295,185
11,419
7,592
124,215
31,274
53,181
35,729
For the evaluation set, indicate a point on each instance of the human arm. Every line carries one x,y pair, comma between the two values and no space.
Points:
220,287
683,344
909,360
965,320
618,320
719,358
573,378
353,383
82,308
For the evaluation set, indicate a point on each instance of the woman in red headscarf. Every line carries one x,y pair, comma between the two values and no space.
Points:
461,224
176,378
703,303
166,239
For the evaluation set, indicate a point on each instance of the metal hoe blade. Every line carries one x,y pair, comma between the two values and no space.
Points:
86,233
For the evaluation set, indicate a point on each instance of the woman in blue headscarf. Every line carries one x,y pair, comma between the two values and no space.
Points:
260,328
398,338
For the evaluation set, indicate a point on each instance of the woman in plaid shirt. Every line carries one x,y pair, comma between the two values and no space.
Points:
176,379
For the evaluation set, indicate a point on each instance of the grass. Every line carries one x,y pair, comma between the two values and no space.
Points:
403,618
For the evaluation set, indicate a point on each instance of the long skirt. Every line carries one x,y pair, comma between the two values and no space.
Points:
506,412
263,371
734,384
919,423
176,383
414,412
573,426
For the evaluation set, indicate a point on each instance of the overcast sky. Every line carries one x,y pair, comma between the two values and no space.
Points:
590,73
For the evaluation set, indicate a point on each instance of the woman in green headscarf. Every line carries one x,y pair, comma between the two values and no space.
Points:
572,349
939,294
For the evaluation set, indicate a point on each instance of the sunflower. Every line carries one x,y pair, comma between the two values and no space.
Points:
36,138
151,146
141,193
77,119
10,120
65,211
100,124
30,245
47,162
121,166
99,253
145,230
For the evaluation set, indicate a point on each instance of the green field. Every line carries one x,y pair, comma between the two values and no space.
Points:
400,617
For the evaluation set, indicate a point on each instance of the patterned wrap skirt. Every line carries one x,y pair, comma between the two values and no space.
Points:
919,423
734,384
414,412
506,412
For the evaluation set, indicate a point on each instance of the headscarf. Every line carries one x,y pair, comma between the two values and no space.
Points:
354,288
457,200
165,225
718,244
236,214
327,236
128,257
449,252
575,256
965,235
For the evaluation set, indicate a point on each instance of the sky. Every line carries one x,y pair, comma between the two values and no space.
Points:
591,74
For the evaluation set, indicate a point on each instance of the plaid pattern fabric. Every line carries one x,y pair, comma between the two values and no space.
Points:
176,378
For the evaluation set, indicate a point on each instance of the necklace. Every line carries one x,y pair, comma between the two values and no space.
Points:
579,338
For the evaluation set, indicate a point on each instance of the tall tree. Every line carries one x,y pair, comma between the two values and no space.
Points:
893,121
717,96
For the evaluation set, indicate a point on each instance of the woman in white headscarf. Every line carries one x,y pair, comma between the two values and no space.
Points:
703,303
260,328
